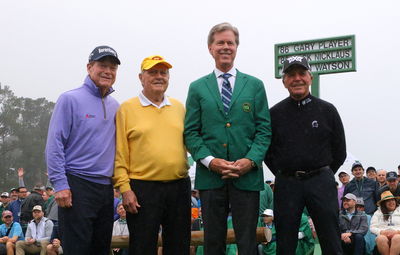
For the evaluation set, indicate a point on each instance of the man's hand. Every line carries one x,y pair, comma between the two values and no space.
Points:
130,202
20,172
346,237
56,243
64,198
224,168
30,240
242,165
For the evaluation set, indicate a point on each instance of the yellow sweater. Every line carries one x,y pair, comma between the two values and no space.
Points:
149,143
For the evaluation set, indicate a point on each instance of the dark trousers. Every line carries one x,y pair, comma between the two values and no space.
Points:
161,203
319,194
244,206
86,227
356,247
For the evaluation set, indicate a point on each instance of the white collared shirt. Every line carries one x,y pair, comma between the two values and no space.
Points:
220,80
144,101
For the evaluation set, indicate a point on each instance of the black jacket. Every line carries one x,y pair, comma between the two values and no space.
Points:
35,198
358,224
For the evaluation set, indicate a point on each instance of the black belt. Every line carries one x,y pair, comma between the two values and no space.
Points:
304,174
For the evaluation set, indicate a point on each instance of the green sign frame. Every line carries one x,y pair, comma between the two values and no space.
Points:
325,56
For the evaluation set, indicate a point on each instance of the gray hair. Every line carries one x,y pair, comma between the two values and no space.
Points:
221,28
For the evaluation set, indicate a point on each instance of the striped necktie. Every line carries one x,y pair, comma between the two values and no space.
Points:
226,92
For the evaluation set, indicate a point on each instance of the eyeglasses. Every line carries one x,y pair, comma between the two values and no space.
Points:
8,216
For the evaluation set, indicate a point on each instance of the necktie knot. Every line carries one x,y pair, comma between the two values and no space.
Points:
226,76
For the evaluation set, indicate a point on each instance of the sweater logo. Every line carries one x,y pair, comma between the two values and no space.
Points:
90,116
314,124
246,107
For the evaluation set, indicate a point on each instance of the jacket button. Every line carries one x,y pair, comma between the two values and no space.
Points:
224,145
228,124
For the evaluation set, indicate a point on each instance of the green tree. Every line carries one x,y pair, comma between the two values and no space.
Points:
23,131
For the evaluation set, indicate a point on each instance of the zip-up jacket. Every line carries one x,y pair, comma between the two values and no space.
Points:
81,136
365,188
358,224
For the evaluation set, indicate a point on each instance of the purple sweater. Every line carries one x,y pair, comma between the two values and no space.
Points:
81,136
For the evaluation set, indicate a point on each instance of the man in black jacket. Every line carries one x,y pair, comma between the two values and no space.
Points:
35,198
353,226
308,147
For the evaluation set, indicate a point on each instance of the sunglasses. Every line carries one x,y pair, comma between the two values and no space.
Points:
8,216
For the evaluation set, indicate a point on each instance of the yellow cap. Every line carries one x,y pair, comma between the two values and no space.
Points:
151,61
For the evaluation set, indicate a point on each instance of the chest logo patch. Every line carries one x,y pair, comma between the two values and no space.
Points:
90,116
246,107
314,124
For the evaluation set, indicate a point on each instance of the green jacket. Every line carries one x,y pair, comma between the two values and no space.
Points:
245,132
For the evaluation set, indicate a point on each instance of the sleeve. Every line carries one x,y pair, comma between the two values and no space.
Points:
57,137
262,120
193,126
17,231
28,233
338,141
375,227
121,164
21,182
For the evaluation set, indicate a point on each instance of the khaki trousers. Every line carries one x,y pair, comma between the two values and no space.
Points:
22,247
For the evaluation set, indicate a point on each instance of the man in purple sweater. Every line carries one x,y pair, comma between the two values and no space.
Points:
80,157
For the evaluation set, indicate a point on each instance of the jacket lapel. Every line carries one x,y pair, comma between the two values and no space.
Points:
212,86
240,82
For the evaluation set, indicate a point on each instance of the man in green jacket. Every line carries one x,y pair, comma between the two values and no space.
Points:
227,131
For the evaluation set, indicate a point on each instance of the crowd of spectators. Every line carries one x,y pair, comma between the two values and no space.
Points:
369,217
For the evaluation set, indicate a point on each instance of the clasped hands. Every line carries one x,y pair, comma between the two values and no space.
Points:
230,169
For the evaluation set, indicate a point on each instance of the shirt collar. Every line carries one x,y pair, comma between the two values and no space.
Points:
218,72
144,101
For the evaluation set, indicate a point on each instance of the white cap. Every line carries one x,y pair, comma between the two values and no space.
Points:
268,212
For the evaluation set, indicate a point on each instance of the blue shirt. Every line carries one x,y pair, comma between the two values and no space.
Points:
16,230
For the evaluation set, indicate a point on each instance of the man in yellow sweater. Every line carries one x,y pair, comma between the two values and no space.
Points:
151,165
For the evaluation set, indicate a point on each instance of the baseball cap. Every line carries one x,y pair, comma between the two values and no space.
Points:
103,51
360,201
39,187
49,188
5,194
350,196
151,61
37,208
356,164
268,212
391,176
370,168
295,60
6,213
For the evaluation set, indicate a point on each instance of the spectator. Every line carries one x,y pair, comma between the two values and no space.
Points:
363,187
381,177
15,206
344,178
35,198
353,226
385,223
50,191
80,153
117,200
37,235
371,173
151,164
51,207
228,135
392,184
13,194
120,228
369,237
4,203
10,233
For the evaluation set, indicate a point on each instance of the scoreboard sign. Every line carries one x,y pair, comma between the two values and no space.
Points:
328,55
